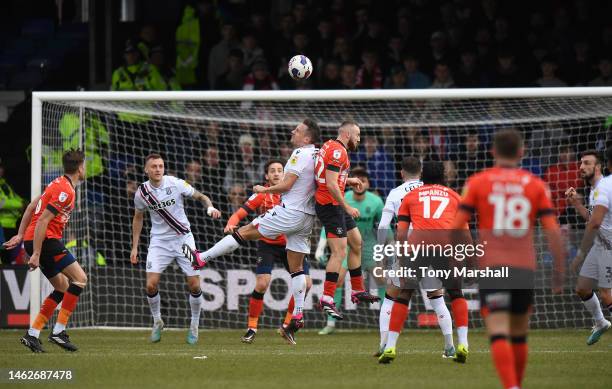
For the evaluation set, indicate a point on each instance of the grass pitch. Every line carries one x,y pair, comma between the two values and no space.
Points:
107,358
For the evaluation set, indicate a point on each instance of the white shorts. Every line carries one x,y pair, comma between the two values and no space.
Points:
428,284
163,251
598,266
296,225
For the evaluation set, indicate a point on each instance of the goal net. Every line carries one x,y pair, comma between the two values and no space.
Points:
219,142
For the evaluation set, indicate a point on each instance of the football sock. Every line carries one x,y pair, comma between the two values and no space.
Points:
503,359
329,286
226,245
356,279
289,313
383,319
399,313
46,311
155,305
255,308
195,302
520,350
298,287
592,304
444,319
459,307
71,297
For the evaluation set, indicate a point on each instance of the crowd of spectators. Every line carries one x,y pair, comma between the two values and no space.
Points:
394,44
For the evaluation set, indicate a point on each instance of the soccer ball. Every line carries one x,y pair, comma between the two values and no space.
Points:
300,67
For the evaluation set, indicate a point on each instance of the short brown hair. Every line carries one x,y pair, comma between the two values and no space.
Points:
72,159
270,163
594,153
313,130
152,156
507,143
411,165
360,171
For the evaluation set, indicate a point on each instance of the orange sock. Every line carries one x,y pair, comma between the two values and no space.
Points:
503,358
356,279
255,308
399,313
329,286
520,350
71,297
289,313
459,306
47,309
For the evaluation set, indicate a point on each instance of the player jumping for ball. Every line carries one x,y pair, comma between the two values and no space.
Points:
336,215
42,227
163,197
269,251
294,218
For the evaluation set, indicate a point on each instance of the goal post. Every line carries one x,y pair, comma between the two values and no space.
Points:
200,131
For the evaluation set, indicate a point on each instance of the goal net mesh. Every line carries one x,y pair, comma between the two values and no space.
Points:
201,142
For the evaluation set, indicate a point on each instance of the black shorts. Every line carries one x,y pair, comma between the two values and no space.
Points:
54,256
335,220
268,254
517,301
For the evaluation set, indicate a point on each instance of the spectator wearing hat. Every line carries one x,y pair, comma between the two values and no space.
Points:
397,78
243,170
136,75
260,78
233,77
157,59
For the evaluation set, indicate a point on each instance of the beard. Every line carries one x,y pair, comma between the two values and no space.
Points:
588,177
352,146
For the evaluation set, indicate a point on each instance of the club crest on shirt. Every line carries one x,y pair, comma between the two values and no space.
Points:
63,196
168,191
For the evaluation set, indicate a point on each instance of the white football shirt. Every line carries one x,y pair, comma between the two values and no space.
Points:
392,206
301,196
602,195
166,206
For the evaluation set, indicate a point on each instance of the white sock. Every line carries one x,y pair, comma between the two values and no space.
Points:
222,247
58,328
196,307
444,319
383,320
331,322
155,305
594,307
34,332
462,337
392,339
298,287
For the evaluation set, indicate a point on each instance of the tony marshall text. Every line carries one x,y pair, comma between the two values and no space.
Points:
420,272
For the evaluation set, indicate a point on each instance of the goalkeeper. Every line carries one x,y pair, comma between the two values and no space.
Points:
370,207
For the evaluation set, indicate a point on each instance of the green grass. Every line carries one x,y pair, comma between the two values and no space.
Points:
558,359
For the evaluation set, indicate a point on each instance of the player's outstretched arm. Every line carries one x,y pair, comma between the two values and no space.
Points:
25,221
234,220
284,186
205,200
137,223
40,232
